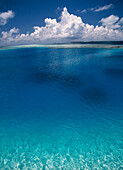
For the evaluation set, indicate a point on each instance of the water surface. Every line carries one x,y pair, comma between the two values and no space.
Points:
61,108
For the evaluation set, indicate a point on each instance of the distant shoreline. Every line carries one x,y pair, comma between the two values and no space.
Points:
99,42
66,46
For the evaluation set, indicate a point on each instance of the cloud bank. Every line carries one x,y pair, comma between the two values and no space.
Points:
69,28
5,16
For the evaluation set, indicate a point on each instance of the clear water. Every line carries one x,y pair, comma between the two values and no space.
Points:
61,109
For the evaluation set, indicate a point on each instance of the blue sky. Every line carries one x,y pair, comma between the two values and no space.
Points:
26,14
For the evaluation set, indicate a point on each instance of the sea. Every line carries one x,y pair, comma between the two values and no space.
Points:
61,108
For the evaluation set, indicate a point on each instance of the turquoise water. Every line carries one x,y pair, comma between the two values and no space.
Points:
61,109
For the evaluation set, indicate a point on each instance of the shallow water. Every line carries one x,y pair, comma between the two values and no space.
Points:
61,108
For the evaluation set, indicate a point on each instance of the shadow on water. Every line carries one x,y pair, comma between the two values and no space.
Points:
114,72
70,81
66,80
117,56
93,96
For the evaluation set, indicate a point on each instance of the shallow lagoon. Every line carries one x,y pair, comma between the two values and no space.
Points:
61,108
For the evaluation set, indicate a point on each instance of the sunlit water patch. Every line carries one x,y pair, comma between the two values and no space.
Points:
61,108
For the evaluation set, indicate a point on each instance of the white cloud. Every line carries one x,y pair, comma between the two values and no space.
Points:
109,21
121,21
69,28
103,8
4,16
9,33
84,11
97,9
118,25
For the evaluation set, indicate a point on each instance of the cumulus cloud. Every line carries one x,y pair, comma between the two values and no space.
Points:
69,28
121,21
5,16
109,21
10,34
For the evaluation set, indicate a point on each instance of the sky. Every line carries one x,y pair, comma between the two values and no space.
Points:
56,21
